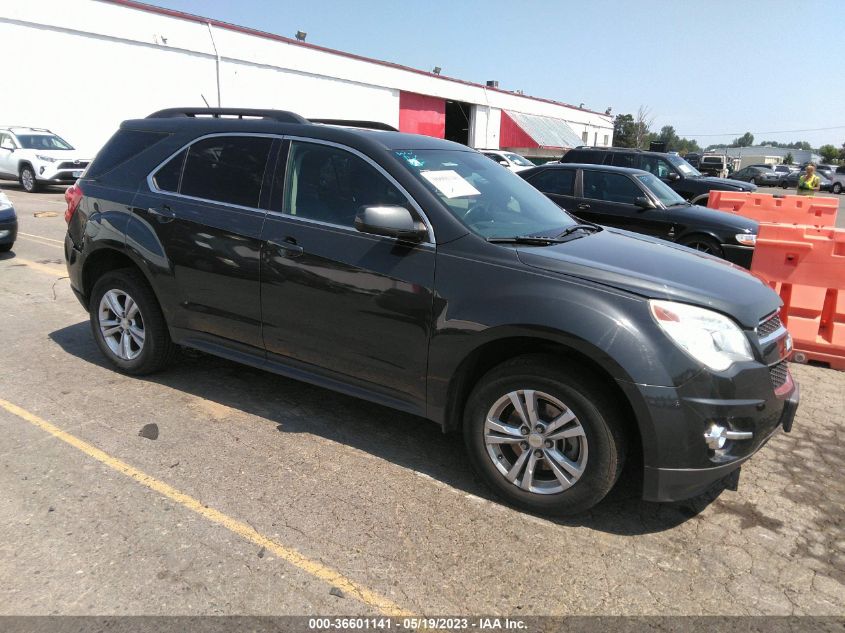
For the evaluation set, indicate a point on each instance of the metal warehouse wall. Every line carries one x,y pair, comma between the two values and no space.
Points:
90,64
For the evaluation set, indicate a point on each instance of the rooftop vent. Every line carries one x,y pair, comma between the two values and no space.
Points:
492,84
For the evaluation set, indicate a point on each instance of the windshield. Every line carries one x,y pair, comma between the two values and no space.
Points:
488,200
518,160
661,190
683,166
42,141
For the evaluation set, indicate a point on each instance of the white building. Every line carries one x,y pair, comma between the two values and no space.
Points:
80,67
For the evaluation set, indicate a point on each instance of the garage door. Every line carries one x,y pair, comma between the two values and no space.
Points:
421,114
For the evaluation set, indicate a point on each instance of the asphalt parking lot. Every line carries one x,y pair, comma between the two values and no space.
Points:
255,494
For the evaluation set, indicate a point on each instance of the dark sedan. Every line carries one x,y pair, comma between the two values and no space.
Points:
790,181
638,201
761,176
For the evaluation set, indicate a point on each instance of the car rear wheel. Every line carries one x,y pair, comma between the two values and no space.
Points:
703,244
127,323
543,436
837,188
27,179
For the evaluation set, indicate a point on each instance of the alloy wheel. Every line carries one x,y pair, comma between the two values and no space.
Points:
121,324
535,441
28,180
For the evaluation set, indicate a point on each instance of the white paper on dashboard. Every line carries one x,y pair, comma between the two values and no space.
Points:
450,183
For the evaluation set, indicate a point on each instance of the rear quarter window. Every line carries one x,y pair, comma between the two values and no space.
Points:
125,144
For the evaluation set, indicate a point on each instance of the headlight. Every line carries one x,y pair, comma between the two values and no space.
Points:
4,202
746,239
709,337
46,159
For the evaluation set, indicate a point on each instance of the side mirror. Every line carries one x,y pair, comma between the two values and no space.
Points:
503,162
8,145
644,203
674,176
390,221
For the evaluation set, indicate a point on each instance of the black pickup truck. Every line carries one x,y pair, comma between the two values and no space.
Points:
669,167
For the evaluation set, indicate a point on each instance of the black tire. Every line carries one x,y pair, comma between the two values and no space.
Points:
585,396
157,348
27,179
753,181
836,188
703,244
784,185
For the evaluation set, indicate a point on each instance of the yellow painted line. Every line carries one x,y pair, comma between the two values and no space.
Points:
50,269
312,567
60,243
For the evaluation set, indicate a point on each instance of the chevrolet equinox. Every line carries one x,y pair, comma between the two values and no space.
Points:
419,274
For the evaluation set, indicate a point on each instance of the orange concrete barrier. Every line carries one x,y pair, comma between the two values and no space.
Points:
764,207
806,266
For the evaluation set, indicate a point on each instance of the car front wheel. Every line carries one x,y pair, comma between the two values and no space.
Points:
127,323
543,436
837,188
27,179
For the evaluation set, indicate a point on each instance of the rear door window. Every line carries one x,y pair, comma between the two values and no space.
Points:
559,182
624,159
610,187
228,169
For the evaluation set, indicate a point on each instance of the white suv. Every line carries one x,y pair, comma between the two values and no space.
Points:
512,161
36,157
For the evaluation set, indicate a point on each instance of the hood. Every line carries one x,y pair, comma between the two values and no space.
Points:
656,269
726,183
713,217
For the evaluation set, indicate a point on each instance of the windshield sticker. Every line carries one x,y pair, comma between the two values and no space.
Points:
450,183
411,158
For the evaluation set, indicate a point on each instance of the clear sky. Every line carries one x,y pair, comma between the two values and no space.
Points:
712,68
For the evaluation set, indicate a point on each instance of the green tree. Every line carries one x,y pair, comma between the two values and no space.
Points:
746,140
787,160
842,152
829,153
624,131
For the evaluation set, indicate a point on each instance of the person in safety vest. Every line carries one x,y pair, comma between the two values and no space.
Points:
809,183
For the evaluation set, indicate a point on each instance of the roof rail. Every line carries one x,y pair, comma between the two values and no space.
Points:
282,116
371,125
24,127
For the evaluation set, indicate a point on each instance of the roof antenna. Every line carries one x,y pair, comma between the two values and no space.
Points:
204,99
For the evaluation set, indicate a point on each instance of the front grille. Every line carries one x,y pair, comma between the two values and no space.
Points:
769,326
71,165
778,373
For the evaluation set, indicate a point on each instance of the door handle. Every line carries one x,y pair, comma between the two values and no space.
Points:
583,206
163,213
288,247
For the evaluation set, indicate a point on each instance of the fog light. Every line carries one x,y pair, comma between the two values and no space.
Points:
4,233
716,436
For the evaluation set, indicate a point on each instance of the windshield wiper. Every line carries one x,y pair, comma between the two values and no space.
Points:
580,227
539,240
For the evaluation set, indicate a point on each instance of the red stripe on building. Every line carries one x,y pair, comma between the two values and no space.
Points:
511,135
421,114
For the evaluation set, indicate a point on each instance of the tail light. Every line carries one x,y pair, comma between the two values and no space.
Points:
73,196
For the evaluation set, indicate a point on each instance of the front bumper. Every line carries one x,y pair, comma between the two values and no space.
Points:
677,461
739,255
674,484
8,231
60,173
